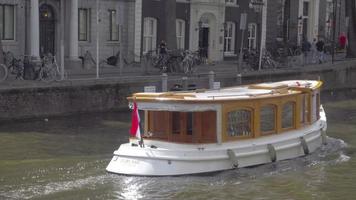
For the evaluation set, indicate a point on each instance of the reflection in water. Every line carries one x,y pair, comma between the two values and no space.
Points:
65,158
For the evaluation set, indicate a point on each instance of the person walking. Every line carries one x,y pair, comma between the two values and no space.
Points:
306,49
320,48
342,41
314,51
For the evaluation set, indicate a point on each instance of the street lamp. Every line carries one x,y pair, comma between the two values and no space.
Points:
258,6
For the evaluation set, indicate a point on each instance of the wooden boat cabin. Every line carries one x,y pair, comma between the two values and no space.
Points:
229,114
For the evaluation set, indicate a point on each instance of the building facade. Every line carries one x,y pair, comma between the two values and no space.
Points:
212,26
68,29
292,21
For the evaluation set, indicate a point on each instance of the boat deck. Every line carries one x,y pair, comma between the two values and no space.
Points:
255,91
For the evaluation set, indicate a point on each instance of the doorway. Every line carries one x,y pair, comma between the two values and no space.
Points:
204,42
47,30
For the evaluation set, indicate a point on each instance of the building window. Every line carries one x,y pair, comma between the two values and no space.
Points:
239,123
268,119
149,34
229,42
180,30
84,19
288,115
252,36
7,22
113,27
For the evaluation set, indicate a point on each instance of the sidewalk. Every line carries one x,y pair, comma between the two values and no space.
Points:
135,73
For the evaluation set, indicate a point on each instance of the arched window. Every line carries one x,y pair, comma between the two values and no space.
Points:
229,38
288,115
180,32
239,122
252,36
149,34
268,119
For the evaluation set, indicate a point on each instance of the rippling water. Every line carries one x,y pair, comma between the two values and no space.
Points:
66,157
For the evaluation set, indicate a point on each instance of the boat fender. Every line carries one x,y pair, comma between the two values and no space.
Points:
233,158
272,152
323,138
304,145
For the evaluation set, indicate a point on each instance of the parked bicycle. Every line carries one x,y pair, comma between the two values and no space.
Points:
169,62
190,61
11,66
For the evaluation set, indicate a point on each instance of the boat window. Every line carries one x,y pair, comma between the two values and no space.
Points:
239,122
190,123
156,128
186,127
175,122
288,115
268,119
304,109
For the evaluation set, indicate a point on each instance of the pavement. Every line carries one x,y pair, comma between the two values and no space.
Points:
136,73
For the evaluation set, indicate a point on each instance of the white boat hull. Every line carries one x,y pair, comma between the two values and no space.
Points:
170,159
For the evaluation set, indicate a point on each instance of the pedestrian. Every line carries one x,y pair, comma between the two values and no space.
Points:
314,51
342,41
320,48
163,47
306,49
162,57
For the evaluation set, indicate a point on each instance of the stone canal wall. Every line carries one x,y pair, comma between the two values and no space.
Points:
61,99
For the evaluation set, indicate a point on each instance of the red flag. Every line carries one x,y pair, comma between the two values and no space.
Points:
135,122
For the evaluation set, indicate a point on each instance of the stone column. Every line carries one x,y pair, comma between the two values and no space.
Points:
73,34
35,30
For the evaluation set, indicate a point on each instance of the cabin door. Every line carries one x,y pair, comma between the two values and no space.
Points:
182,127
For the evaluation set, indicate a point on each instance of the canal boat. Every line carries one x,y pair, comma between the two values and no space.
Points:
191,132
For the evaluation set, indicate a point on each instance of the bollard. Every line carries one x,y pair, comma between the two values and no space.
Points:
211,79
185,83
164,82
239,79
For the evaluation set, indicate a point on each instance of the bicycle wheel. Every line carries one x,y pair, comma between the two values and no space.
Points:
47,74
3,72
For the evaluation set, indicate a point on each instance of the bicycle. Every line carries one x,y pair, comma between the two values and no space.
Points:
49,70
3,72
11,66
190,60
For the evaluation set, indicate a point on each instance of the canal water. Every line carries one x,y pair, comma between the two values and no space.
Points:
65,158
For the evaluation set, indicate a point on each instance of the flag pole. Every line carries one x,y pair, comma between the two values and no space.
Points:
136,124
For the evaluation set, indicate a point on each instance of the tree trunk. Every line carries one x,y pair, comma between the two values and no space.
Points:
351,13
170,25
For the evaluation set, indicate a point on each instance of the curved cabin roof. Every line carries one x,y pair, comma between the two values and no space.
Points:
245,92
